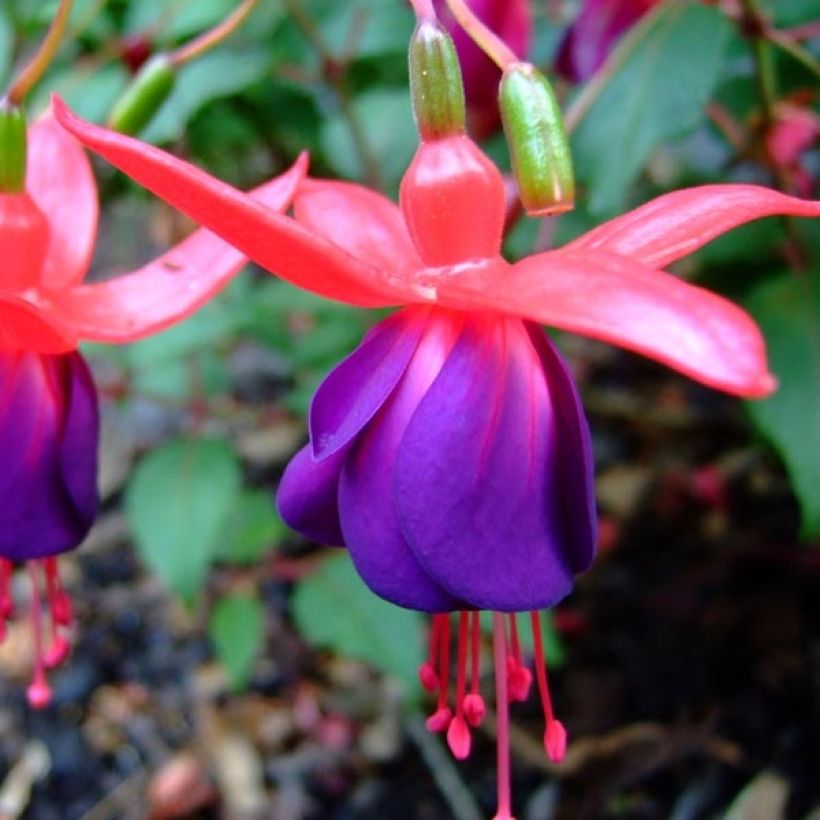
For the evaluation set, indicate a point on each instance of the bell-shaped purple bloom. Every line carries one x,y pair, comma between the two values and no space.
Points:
48,446
450,454
49,430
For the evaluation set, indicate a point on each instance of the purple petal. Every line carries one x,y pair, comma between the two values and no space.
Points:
492,476
366,498
49,432
307,496
354,391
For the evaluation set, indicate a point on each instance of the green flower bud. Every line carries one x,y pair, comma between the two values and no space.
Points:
435,82
537,139
143,97
12,149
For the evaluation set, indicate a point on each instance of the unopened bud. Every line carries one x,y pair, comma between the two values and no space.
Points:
435,82
538,142
142,99
12,149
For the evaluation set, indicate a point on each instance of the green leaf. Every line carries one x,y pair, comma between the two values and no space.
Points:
658,93
788,310
253,529
6,43
237,632
89,89
177,503
333,608
386,121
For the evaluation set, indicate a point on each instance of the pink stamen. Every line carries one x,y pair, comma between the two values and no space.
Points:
427,671
38,692
58,601
519,678
474,708
555,735
59,605
440,719
458,734
6,602
504,810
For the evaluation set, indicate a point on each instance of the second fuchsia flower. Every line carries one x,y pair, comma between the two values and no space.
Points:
450,453
49,426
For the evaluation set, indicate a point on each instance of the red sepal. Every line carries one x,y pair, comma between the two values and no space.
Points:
622,302
677,224
24,327
276,242
170,287
60,181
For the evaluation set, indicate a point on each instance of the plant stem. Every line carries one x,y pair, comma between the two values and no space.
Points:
36,68
486,39
582,104
335,79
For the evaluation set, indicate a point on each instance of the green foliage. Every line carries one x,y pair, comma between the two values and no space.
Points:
237,632
253,528
177,503
334,609
658,93
788,310
220,73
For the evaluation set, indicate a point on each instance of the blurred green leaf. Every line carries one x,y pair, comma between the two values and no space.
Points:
177,502
333,608
6,44
174,19
372,27
658,93
788,310
89,88
386,120
253,529
237,632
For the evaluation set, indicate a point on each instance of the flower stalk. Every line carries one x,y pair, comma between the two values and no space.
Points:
29,76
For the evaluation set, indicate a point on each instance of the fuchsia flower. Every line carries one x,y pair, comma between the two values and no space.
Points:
596,30
48,406
449,453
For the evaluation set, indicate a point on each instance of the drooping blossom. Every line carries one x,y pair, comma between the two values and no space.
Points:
594,33
449,453
511,20
49,426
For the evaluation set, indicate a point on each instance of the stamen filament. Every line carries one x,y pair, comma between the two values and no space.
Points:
38,692
504,810
423,9
440,719
474,708
427,671
555,736
458,735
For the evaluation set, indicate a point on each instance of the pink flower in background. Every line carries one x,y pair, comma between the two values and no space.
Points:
594,33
